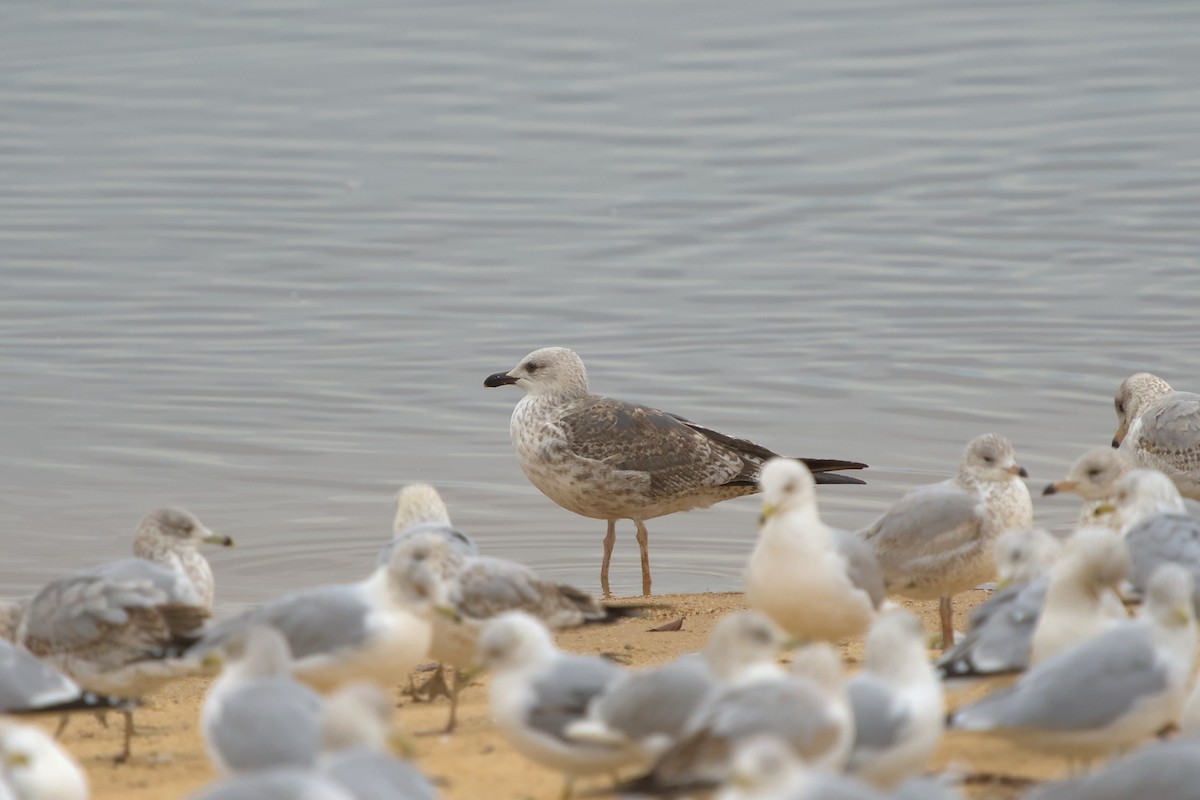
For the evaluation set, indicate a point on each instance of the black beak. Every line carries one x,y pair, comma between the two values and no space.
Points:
1050,489
499,379
1115,444
1024,473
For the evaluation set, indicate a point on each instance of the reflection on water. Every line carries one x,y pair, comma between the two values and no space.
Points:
257,258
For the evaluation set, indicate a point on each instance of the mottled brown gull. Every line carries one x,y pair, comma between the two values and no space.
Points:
937,540
1159,428
609,459
1094,478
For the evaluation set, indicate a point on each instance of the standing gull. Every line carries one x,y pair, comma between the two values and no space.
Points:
812,580
937,541
609,459
1110,692
1159,428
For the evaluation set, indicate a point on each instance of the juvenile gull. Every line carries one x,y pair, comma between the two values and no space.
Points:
1081,600
1093,477
1107,694
536,693
937,541
814,581
255,716
114,637
897,702
609,459
1159,428
1156,530
375,630
33,767
649,708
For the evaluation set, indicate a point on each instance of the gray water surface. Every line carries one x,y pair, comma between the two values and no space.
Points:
256,258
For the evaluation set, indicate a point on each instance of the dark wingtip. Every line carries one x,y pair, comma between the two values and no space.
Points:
816,465
833,477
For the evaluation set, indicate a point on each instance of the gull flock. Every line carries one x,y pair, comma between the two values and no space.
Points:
1086,649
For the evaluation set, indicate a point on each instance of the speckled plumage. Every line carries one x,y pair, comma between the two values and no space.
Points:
609,459
1159,428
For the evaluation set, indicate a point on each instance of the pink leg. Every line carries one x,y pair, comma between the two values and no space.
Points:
610,539
946,611
643,539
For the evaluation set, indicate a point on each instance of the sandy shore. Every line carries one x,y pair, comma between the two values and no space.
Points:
169,761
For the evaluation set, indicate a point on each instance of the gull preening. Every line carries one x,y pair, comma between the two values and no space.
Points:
937,540
814,581
608,459
1159,428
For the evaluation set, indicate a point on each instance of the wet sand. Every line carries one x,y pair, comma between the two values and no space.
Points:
169,760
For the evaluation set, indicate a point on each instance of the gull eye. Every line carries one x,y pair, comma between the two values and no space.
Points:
988,459
532,367
1120,406
1094,472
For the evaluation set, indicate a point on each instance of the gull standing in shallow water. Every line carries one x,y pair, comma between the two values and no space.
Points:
609,459
1159,428
1107,694
814,581
937,541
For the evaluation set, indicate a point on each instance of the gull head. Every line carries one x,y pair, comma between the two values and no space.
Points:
1023,555
1136,394
786,485
259,651
512,641
442,549
553,371
1093,476
34,766
417,503
413,578
175,527
820,663
742,640
357,715
1097,558
766,766
1142,492
1169,597
990,457
894,644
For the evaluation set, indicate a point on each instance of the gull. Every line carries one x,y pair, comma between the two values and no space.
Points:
417,503
356,732
1080,599
1156,529
34,767
254,715
648,709
1161,770
609,459
279,783
537,691
479,588
897,702
814,581
1000,629
123,638
1093,477
11,612
806,709
1159,428
937,540
373,630
29,685
1104,695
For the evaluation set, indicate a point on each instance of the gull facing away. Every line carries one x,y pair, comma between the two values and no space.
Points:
1156,531
375,630
609,459
1159,428
898,704
937,540
255,716
1107,694
34,767
814,581
537,691
123,638
479,588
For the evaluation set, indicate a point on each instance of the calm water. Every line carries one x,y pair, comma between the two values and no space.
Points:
256,258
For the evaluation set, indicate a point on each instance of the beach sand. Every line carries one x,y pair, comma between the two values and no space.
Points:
475,762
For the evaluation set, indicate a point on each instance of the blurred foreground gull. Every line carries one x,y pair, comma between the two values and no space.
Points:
255,716
648,709
937,540
814,581
29,685
1159,428
479,588
805,709
1160,770
1093,477
897,702
1156,530
536,692
1001,629
280,783
418,503
34,767
123,638
609,459
375,630
1107,694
